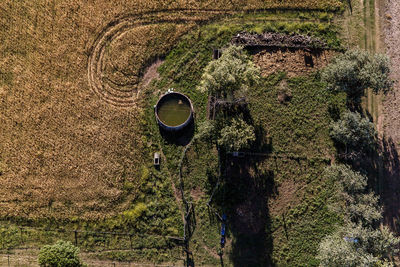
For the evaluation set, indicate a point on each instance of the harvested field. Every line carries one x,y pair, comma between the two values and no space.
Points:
66,68
60,144
127,45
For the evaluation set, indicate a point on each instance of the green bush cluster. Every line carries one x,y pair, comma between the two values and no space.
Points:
61,254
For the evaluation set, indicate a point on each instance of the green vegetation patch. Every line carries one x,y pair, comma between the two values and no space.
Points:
296,139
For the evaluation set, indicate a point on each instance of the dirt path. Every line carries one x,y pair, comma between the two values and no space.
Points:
390,20
392,42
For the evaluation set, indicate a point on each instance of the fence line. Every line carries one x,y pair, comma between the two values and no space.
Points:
18,260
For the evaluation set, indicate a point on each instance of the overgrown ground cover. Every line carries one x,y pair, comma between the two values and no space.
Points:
69,126
294,214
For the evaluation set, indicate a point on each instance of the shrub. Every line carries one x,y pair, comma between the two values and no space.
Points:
205,131
358,243
61,254
355,245
132,215
360,206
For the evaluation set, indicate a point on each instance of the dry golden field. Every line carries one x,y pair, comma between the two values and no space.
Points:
69,79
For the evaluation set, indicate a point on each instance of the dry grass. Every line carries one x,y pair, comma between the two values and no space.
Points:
66,152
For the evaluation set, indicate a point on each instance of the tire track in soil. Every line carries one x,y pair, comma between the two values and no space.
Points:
125,95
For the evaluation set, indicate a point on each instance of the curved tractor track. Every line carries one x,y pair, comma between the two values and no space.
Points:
124,93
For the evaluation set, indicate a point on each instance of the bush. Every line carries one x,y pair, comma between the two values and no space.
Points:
205,131
358,243
61,254
132,215
360,206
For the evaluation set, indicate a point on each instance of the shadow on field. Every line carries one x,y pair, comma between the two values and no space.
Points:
247,190
243,197
390,184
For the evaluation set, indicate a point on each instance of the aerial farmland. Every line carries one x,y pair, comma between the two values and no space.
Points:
199,133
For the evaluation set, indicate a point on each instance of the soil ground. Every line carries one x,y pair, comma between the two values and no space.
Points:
391,111
291,61
392,100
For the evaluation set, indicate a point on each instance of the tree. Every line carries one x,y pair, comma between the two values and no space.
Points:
360,206
354,132
358,242
230,75
206,131
357,70
61,254
237,136
355,245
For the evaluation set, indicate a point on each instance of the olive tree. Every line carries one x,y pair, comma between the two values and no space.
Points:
357,70
360,206
236,136
359,242
231,75
356,245
61,254
354,132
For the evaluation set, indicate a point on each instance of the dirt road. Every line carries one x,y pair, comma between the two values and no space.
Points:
392,42
391,113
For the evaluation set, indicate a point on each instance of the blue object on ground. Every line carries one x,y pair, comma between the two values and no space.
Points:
222,241
223,229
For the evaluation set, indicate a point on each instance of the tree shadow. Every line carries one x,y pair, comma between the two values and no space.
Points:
381,164
181,137
246,193
389,184
243,194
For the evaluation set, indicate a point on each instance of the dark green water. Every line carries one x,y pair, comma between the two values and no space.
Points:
174,111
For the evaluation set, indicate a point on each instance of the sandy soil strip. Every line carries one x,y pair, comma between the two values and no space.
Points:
392,41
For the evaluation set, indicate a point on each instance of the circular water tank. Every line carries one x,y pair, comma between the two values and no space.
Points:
174,111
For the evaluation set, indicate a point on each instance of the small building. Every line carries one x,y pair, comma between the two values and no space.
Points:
156,159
